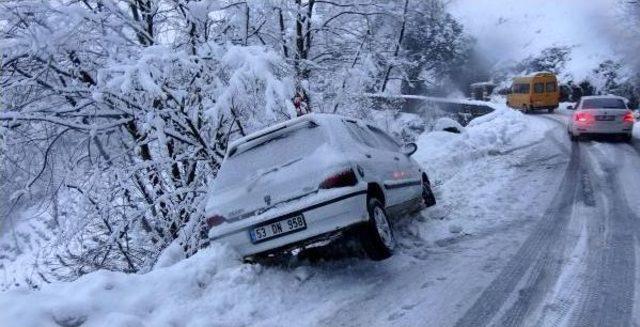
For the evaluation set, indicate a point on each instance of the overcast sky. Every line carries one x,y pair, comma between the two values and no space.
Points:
512,30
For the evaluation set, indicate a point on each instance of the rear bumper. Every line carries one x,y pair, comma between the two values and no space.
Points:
545,107
602,128
324,217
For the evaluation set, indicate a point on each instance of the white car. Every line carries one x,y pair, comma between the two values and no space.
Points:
601,115
310,179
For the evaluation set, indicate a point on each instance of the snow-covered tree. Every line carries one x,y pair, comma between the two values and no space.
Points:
116,114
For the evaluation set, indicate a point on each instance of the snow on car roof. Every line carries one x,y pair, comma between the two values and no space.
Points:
313,117
608,96
534,74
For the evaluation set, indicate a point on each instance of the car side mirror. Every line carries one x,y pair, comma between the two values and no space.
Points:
570,108
409,148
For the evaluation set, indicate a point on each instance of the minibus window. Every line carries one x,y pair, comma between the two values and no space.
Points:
538,87
551,87
517,88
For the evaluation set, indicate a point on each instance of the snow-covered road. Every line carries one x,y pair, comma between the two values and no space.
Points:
577,265
530,229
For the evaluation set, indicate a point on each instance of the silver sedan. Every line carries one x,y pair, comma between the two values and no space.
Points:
601,115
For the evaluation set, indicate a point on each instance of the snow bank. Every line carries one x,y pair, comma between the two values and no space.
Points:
446,124
493,133
473,173
212,288
112,299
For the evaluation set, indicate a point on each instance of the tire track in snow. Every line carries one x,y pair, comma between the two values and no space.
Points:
636,145
546,271
566,148
562,299
536,254
610,281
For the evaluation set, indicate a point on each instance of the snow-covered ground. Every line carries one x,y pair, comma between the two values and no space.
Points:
25,245
486,182
515,239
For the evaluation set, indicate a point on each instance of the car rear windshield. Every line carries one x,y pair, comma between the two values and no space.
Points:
272,151
603,103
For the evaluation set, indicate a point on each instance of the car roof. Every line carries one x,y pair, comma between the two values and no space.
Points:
609,96
533,75
319,118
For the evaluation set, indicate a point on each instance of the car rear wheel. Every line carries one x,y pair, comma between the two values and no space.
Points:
550,110
627,138
376,235
573,137
427,194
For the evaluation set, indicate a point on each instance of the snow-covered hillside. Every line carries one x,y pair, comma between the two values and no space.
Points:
513,30
476,174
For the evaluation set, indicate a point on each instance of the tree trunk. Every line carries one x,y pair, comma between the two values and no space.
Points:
387,73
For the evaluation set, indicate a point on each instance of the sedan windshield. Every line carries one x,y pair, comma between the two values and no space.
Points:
604,103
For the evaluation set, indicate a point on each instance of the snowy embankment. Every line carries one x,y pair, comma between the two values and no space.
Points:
473,170
213,288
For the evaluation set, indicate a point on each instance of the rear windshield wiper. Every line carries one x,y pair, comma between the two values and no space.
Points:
258,177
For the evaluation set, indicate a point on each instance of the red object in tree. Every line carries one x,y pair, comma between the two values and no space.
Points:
300,103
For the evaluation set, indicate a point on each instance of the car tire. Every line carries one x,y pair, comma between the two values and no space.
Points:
627,138
573,137
550,110
428,197
376,235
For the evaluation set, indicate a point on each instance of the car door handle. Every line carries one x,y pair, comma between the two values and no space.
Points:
396,158
367,155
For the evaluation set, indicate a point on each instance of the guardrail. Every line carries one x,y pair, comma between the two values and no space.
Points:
461,110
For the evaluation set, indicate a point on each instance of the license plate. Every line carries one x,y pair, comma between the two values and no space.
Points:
278,228
605,118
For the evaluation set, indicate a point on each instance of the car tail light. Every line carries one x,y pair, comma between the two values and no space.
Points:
341,179
215,220
583,117
628,118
